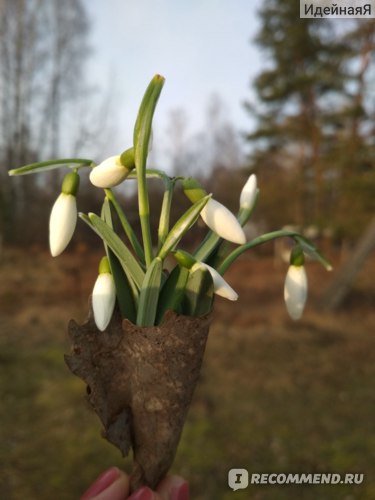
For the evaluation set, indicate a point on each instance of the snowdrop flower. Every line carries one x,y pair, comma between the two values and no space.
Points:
216,216
295,288
249,193
63,218
103,296
220,220
111,171
221,287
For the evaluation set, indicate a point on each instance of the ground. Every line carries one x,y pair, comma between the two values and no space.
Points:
274,395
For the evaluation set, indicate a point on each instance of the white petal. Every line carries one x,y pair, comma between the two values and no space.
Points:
221,287
223,222
295,291
62,222
109,173
103,300
248,193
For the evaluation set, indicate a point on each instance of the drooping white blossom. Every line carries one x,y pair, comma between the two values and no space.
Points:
62,222
103,300
295,291
109,173
249,193
221,220
221,287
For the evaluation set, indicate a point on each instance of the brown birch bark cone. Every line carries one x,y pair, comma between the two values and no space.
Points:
140,382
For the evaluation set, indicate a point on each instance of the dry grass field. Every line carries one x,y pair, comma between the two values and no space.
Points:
274,395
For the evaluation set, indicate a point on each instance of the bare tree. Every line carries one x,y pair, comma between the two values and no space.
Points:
198,153
337,291
43,47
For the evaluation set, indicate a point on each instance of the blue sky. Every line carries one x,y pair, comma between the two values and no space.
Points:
202,47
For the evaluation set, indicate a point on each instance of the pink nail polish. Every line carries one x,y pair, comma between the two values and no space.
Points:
143,493
101,483
181,492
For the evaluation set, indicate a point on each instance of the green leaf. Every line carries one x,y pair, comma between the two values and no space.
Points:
183,224
125,292
126,226
130,265
149,294
142,133
106,213
33,168
165,211
172,292
142,128
199,292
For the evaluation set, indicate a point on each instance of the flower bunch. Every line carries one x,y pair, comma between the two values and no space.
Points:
133,275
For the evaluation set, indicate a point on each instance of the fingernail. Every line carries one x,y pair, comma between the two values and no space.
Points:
143,493
180,491
102,482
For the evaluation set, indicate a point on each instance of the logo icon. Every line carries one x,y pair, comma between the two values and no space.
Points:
238,479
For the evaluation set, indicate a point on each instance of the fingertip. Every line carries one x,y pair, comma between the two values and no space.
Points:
102,482
111,485
144,493
173,488
119,490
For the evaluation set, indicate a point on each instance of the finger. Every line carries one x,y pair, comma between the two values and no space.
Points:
144,493
173,488
113,484
119,490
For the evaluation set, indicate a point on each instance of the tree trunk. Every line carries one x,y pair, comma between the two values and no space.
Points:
334,295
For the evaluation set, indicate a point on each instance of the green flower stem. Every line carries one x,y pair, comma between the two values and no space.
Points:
169,183
126,226
184,223
307,246
49,165
144,216
156,173
153,173
165,213
207,246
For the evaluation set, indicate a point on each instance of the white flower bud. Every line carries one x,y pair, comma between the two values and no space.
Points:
62,222
109,173
221,287
103,300
295,291
220,220
249,193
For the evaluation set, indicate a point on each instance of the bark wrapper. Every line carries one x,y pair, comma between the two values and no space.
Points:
140,382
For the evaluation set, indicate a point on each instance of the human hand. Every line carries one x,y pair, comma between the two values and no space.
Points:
114,484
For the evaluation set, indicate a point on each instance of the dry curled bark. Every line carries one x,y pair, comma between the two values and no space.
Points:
140,382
